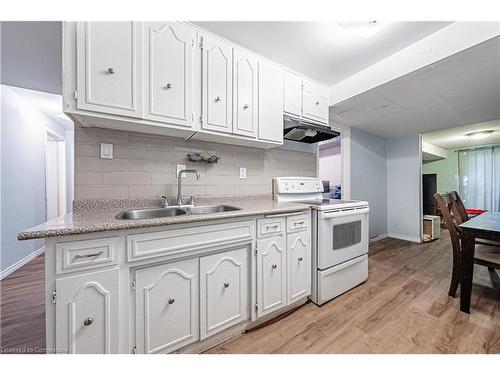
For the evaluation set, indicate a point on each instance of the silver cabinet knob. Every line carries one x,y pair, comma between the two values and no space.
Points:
168,86
317,102
88,321
274,266
218,99
245,106
226,285
171,301
301,259
111,71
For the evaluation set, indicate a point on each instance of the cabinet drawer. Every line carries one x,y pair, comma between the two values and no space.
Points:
88,254
223,290
187,241
266,227
297,223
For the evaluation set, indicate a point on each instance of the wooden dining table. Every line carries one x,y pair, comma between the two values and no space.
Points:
485,226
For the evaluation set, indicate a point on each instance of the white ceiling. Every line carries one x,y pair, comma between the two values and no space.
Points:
453,138
321,50
461,89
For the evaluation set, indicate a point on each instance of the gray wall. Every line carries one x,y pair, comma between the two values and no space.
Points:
446,171
369,176
145,166
23,132
31,55
404,187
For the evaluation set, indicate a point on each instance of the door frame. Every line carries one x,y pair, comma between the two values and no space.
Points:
61,168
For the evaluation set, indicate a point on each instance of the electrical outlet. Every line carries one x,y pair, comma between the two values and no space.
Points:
180,167
243,173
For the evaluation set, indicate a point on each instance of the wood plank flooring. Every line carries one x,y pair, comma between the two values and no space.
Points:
402,308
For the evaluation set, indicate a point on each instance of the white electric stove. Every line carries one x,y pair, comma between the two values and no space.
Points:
339,236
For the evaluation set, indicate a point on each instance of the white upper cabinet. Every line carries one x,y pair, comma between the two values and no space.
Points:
217,84
292,94
270,102
245,81
87,313
168,68
109,68
315,102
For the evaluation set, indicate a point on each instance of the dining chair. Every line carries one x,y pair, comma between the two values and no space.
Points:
461,215
485,255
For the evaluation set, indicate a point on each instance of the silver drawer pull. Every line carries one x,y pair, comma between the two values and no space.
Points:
317,102
171,301
168,86
88,321
218,99
245,106
78,256
274,266
272,226
301,259
111,71
226,285
299,223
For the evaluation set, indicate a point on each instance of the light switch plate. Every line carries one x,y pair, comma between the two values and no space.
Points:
243,173
106,151
180,167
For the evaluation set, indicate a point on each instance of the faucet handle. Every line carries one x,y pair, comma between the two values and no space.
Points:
191,201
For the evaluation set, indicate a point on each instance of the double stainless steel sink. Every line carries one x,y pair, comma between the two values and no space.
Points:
153,213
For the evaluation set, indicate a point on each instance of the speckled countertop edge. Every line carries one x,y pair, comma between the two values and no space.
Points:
101,220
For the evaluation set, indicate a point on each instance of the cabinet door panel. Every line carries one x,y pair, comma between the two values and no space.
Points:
87,313
315,102
167,306
245,94
217,71
223,290
299,266
168,48
270,102
109,67
271,275
292,93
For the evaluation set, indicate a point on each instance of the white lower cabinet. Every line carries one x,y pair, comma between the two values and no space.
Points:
299,266
87,313
223,291
271,275
167,312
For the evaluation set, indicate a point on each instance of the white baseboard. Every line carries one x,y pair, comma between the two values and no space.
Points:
379,237
6,272
404,237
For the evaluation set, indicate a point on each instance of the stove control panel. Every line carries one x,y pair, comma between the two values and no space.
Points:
297,185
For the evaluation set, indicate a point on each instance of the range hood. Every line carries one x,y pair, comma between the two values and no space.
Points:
300,130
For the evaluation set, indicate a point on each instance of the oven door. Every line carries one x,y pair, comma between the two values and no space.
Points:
342,235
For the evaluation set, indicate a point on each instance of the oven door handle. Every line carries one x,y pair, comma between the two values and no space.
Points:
334,214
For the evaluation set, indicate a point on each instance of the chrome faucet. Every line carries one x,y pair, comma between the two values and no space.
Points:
179,183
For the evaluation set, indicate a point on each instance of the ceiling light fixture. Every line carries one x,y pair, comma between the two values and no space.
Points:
364,29
480,134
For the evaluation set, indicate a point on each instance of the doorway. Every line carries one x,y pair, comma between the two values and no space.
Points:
55,176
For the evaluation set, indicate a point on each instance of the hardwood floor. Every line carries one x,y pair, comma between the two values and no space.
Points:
402,308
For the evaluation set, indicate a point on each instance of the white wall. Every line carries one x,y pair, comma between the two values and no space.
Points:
330,164
22,172
404,187
369,176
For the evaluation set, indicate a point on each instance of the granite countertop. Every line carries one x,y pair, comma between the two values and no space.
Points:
92,216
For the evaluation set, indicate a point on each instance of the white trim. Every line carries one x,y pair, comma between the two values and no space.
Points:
404,237
378,237
14,267
61,143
